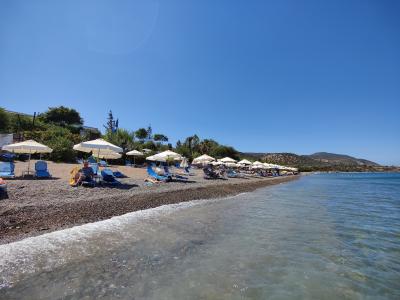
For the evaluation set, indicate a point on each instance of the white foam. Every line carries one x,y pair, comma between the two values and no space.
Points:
51,250
54,249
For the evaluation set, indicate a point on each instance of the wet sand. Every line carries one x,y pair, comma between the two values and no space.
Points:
35,207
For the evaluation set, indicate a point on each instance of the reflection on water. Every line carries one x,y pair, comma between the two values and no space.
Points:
324,236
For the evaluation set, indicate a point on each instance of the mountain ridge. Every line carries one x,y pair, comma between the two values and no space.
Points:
319,161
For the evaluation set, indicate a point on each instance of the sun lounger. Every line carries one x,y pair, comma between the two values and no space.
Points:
173,175
232,174
153,174
108,177
41,170
210,174
118,174
95,168
92,160
103,163
7,169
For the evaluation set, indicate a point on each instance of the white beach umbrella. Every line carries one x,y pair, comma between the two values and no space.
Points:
230,164
107,155
134,153
268,166
203,159
257,163
217,163
97,146
145,150
244,162
228,160
154,158
168,154
27,147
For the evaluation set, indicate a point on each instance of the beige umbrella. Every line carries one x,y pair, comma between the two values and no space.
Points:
203,159
244,162
98,147
107,155
154,158
228,160
164,156
27,147
230,164
134,153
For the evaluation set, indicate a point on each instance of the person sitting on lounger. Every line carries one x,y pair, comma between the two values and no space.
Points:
84,174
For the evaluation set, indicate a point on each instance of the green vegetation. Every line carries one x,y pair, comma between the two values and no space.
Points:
4,121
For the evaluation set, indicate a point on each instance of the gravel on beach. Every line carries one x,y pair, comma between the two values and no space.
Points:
35,207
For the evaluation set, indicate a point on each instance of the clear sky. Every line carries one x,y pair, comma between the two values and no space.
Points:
263,76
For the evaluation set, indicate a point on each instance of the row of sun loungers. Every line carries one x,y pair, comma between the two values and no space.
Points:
7,170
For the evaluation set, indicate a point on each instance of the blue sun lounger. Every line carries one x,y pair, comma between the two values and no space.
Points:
172,175
7,169
153,174
41,170
108,177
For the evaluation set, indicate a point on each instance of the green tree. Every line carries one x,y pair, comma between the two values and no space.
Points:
61,116
149,131
4,121
141,134
122,138
60,139
111,125
20,123
160,138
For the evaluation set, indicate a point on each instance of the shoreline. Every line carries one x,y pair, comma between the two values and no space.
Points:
32,219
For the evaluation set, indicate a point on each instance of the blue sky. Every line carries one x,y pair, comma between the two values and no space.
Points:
263,76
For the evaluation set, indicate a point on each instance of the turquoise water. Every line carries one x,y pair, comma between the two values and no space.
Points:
327,236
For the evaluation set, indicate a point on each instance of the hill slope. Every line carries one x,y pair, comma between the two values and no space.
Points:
322,161
341,159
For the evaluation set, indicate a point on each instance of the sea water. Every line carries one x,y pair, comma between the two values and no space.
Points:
327,236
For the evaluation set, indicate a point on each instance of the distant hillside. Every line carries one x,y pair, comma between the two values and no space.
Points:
322,161
341,159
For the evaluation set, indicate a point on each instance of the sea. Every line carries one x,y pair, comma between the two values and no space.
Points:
324,236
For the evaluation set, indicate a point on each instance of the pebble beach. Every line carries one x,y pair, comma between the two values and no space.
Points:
34,207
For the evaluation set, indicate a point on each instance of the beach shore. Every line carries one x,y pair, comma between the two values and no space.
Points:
35,207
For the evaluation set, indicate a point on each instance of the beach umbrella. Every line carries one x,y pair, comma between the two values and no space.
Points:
217,163
147,150
107,155
230,164
168,154
268,166
257,163
228,160
134,153
154,158
244,162
98,147
27,147
203,159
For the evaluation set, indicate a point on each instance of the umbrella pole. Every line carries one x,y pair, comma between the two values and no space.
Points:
134,160
29,162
